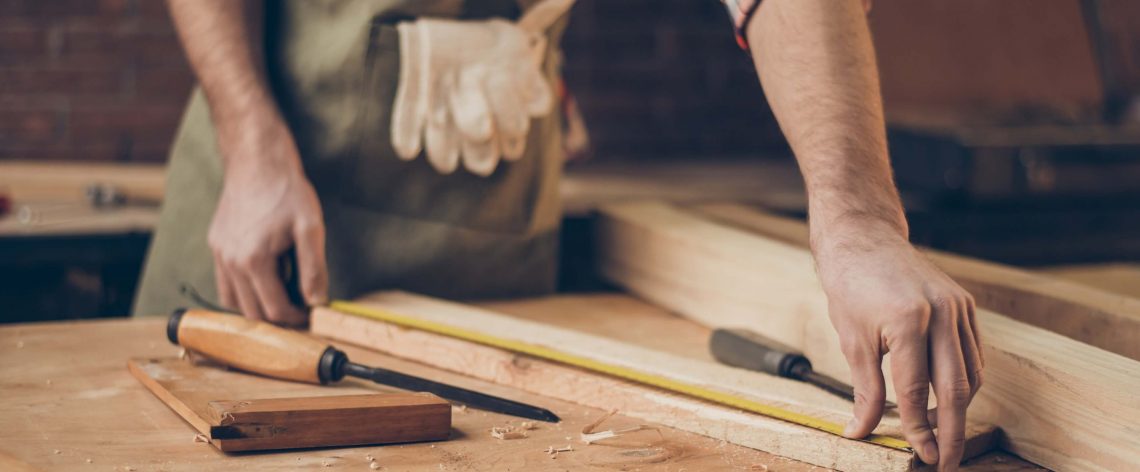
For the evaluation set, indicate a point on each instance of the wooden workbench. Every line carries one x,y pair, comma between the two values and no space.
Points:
69,404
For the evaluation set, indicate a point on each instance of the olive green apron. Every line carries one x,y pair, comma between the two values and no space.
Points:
390,224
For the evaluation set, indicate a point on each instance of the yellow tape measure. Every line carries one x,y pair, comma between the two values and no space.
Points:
547,353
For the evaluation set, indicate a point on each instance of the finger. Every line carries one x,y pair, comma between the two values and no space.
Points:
311,263
246,296
481,158
870,390
951,386
271,296
976,329
410,106
513,147
443,143
226,297
911,373
541,15
469,106
971,354
538,99
506,105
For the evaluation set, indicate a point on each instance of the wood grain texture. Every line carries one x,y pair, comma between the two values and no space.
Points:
252,346
79,403
633,399
1059,402
68,181
240,423
1085,312
1120,278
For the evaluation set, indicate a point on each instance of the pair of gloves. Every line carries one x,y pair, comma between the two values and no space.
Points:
468,89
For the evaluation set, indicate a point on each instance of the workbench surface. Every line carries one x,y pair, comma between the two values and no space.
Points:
70,404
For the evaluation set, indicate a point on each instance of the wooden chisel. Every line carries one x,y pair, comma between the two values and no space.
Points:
262,348
753,351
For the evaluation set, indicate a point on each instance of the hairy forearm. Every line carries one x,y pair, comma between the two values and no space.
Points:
817,65
222,39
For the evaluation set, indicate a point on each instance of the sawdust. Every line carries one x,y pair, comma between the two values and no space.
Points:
89,461
19,344
374,466
462,409
57,452
507,432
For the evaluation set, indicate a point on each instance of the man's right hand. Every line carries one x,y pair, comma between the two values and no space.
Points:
267,206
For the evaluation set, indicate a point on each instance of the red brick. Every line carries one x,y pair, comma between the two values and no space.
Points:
30,123
170,84
64,8
22,42
138,120
60,80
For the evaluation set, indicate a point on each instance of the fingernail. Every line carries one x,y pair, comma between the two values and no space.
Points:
931,453
850,428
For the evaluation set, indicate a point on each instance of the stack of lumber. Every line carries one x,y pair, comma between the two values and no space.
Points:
1060,402
646,343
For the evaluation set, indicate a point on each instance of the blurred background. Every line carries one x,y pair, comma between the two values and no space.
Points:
1014,130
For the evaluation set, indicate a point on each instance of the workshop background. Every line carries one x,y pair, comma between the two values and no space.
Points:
1013,127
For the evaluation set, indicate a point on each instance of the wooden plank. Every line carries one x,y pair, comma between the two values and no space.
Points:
78,381
1059,402
63,181
775,183
1121,278
233,422
634,399
1083,312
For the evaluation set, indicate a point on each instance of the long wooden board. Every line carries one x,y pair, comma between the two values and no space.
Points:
1110,321
636,400
204,396
1059,402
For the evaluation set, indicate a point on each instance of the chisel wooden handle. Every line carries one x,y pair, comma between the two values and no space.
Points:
254,346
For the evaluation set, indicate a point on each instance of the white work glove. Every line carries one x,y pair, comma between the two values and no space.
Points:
468,89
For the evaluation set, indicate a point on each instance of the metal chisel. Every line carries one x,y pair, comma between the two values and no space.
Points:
753,351
262,348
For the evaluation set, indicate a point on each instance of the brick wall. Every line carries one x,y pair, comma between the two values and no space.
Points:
106,80
99,80
665,78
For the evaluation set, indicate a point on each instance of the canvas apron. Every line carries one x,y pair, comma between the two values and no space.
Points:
390,224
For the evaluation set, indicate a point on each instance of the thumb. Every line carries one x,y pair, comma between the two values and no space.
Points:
541,15
311,265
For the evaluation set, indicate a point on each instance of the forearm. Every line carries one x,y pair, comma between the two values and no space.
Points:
817,65
222,39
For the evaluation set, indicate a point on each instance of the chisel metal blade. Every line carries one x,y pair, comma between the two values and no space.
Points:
470,398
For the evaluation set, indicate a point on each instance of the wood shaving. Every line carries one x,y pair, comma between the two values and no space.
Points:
57,452
370,458
760,467
327,464
554,451
128,468
48,382
201,438
459,408
589,436
528,425
507,432
89,461
374,466
183,354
